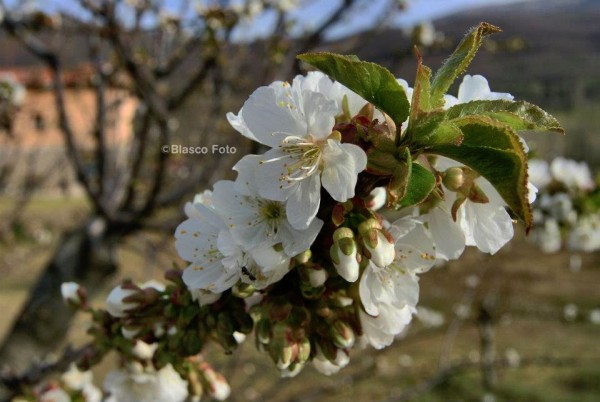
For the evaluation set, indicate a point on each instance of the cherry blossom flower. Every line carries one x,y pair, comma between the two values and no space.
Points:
389,294
297,121
257,223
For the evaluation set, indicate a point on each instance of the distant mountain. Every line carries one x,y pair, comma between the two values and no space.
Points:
549,51
559,60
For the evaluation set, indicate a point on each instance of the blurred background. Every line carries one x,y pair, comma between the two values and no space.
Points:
91,91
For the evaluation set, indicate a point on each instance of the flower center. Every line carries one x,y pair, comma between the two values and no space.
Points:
304,155
271,210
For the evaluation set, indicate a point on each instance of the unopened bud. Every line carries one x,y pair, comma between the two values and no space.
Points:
72,293
379,243
216,385
263,331
129,332
342,335
454,178
303,351
115,304
317,277
143,350
286,355
377,198
304,257
343,254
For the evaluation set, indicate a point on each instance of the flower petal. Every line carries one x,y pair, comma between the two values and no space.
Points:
319,113
270,173
304,202
265,115
342,164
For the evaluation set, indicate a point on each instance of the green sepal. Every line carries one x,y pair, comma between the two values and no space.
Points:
420,185
398,185
519,115
458,62
421,97
374,83
381,163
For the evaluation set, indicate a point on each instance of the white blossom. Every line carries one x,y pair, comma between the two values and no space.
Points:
256,222
389,294
297,121
205,241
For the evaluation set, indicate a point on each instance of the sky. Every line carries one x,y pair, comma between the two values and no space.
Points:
318,10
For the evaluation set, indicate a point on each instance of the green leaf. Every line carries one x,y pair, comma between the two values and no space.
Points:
458,62
446,133
518,115
483,131
371,81
421,182
506,170
424,125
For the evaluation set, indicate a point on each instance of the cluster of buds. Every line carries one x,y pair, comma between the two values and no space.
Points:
281,330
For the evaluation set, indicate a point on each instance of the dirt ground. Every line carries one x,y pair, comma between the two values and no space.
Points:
544,342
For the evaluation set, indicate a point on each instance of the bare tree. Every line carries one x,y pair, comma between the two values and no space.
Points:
165,63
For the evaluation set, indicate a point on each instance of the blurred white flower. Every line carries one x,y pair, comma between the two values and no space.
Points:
585,236
78,380
548,236
513,357
134,383
430,318
539,173
595,316
55,395
570,312
574,175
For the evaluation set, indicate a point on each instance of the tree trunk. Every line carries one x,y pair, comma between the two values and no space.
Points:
86,256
